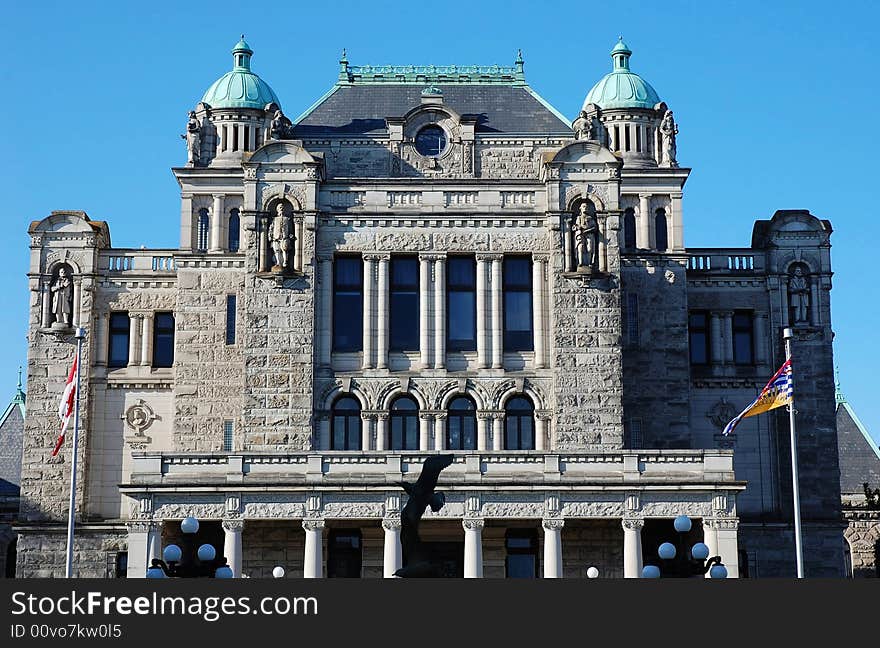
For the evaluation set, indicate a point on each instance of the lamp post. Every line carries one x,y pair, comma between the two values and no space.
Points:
678,562
189,562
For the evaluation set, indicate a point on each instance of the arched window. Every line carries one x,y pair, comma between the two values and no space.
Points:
629,229
461,424
404,424
203,230
234,230
345,433
519,424
661,231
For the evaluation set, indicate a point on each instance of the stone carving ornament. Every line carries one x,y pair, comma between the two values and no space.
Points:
193,138
281,127
61,291
585,233
721,413
669,129
280,238
139,417
799,296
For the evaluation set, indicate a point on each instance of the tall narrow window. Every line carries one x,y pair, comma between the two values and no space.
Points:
231,308
461,297
616,137
629,229
404,302
743,338
234,230
662,235
118,347
344,553
345,424
461,424
519,424
522,553
635,434
626,129
698,337
247,138
638,130
204,227
235,138
404,424
163,340
348,304
227,436
518,304
632,318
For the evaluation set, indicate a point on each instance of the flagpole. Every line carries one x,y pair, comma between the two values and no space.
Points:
787,335
71,513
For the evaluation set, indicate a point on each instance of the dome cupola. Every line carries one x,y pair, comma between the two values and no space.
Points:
240,87
622,88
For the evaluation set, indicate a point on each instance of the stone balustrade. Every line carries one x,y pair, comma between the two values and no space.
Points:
135,261
725,261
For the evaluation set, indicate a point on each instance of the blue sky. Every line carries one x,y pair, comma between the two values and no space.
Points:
775,102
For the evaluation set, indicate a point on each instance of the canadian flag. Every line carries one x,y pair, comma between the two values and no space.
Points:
66,406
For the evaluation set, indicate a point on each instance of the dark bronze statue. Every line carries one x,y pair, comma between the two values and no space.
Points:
417,562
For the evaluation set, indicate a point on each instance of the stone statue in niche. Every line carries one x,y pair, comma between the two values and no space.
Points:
799,296
585,237
61,291
280,127
280,238
193,137
669,129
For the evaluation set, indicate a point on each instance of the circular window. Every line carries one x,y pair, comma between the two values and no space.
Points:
431,141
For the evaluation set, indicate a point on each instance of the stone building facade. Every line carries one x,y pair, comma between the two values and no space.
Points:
430,259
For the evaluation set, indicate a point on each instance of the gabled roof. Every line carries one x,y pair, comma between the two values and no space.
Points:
17,402
859,456
364,96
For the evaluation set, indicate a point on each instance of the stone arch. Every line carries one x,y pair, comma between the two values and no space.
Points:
335,390
589,196
451,390
56,260
509,388
393,390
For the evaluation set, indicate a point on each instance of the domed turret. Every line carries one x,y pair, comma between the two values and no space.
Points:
240,88
235,113
629,109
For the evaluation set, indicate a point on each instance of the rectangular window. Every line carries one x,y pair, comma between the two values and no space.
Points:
118,346
626,130
522,554
638,138
635,433
632,318
698,337
163,339
616,146
227,436
743,338
348,304
231,308
404,304
517,282
461,303
344,549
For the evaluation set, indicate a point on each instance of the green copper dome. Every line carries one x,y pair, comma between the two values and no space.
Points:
240,88
621,88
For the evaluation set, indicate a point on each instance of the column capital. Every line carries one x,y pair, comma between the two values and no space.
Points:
140,526
431,256
553,523
234,525
645,195
313,524
376,256
391,524
541,257
426,416
217,196
489,256
633,523
473,523
486,415
722,524
544,415
382,416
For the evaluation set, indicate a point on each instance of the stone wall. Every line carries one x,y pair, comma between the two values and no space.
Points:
770,549
42,552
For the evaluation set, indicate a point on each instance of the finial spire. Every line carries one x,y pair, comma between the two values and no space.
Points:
838,392
520,74
343,67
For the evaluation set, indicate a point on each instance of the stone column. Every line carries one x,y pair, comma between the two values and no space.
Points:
263,253
425,310
46,319
154,542
473,547
482,310
541,419
313,562
134,337
326,325
727,325
424,431
538,309
216,244
498,432
710,537
715,341
381,430
393,553
138,548
366,429
760,328
439,313
147,340
299,227
814,300
566,243
369,279
77,302
102,334
728,548
440,431
382,315
644,230
674,223
324,431
497,324
601,245
483,422
632,547
553,547
232,545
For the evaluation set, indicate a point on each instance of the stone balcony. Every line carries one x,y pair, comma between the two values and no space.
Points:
624,468
725,261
